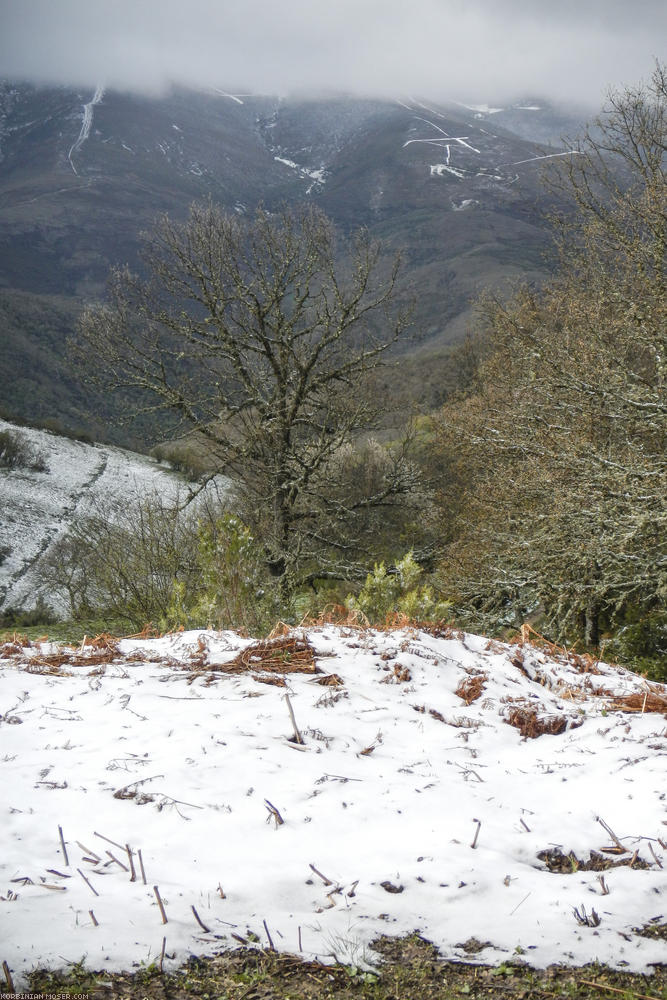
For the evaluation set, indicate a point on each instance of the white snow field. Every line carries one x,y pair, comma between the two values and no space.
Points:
435,772
36,508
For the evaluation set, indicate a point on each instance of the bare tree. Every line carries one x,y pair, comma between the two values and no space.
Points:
259,335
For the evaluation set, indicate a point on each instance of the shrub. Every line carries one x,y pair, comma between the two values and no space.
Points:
40,615
16,452
231,590
641,646
388,592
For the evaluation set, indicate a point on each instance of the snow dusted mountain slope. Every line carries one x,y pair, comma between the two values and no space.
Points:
36,507
501,800
82,173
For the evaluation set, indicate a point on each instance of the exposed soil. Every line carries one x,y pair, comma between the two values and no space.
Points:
411,970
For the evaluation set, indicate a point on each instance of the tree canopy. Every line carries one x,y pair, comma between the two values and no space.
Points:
562,440
259,335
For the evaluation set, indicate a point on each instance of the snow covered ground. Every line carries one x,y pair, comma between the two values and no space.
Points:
37,507
442,782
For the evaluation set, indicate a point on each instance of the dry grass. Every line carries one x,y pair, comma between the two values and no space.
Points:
472,688
530,725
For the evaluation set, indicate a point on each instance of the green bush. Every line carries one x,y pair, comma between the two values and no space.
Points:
641,646
231,590
387,593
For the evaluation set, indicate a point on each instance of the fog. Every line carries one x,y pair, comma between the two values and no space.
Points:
469,50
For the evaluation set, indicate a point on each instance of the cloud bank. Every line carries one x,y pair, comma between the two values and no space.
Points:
474,50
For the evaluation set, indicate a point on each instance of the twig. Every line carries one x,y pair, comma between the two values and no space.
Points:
519,904
200,921
603,885
141,865
300,944
164,948
655,856
271,944
614,989
62,844
114,858
611,834
93,918
8,978
273,812
160,904
584,919
133,874
89,884
91,854
524,825
327,881
474,839
108,840
297,735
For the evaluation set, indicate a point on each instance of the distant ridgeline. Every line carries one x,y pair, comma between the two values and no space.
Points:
83,172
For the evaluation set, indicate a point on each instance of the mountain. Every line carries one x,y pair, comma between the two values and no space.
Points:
83,173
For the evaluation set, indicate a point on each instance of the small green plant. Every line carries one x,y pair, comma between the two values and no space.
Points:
231,589
396,591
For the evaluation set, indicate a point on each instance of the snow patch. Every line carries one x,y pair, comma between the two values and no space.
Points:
86,125
414,801
439,169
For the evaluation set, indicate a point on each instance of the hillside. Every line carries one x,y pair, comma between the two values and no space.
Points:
81,174
38,505
506,802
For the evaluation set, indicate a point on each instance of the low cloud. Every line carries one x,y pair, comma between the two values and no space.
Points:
471,50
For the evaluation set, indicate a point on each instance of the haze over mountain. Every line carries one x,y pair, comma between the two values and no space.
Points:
477,50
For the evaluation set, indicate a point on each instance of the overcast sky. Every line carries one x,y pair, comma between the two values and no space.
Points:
470,50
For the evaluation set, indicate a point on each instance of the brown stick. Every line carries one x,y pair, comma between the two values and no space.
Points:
160,904
612,835
474,839
297,735
133,874
8,978
89,884
274,812
164,948
655,856
271,944
200,921
62,844
614,989
93,918
108,840
114,858
86,850
141,865
327,881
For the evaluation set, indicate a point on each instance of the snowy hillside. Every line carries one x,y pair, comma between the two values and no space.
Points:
501,800
36,507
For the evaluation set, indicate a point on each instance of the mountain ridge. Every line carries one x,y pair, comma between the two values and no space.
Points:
82,173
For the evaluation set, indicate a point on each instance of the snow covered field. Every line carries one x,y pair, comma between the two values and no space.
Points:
441,784
36,508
